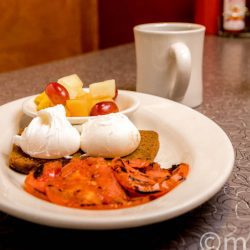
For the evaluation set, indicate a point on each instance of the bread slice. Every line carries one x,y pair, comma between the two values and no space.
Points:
148,149
23,163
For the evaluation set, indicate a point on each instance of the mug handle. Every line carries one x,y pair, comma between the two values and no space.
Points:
179,70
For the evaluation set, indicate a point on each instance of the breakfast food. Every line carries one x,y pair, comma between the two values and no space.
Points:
94,183
49,135
117,136
68,91
57,93
104,89
73,84
23,163
109,164
147,149
103,108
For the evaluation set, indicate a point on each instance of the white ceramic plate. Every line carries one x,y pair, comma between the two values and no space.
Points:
126,103
185,136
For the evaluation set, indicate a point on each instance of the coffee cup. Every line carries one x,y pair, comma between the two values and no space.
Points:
169,60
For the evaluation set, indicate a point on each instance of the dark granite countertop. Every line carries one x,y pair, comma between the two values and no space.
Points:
225,217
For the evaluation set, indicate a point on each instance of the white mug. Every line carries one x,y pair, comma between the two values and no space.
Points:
169,61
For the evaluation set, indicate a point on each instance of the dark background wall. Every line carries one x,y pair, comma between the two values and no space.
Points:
117,17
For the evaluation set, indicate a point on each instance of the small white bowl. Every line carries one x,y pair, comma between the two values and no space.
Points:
126,102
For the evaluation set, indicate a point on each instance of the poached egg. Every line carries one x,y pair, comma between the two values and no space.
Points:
109,136
49,135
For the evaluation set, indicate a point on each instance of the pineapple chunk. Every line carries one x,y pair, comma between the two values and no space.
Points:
79,106
73,84
104,89
72,80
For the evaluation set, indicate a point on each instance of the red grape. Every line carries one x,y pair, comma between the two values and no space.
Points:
104,108
57,93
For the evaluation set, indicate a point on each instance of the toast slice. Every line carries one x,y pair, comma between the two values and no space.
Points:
23,163
148,148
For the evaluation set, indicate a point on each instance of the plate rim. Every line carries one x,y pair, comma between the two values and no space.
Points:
188,205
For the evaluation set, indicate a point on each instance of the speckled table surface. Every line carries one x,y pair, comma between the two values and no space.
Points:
223,222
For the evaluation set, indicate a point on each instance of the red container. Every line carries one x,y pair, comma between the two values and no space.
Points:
207,13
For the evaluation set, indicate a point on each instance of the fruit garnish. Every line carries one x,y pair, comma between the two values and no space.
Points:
39,98
103,89
73,84
104,108
68,90
80,106
57,93
44,103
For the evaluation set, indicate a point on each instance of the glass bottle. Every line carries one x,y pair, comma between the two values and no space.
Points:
233,21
